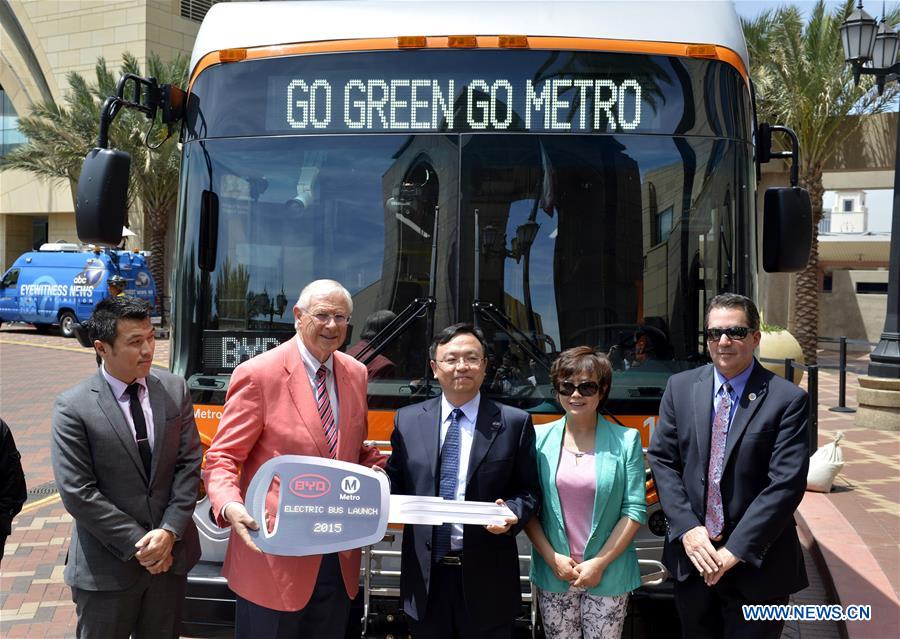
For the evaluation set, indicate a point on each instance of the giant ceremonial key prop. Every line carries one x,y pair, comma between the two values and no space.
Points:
326,505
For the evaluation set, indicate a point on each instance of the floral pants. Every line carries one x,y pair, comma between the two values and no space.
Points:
575,614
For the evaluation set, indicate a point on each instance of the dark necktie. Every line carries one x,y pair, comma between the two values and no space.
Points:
140,425
715,513
449,479
324,405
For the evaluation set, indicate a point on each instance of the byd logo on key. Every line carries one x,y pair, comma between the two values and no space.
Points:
310,486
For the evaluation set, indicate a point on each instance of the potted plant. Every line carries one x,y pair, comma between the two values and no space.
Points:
776,345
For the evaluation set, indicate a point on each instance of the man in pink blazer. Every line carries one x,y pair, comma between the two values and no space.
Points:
301,398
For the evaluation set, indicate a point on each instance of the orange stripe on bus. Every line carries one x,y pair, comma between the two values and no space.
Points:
682,50
381,423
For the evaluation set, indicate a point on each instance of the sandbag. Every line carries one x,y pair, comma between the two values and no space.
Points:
824,466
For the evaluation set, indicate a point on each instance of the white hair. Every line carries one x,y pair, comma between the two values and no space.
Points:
322,288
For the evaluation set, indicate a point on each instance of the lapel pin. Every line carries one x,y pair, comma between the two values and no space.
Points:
495,425
751,396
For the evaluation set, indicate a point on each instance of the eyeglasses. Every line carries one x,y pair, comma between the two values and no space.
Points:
733,332
469,360
323,318
585,389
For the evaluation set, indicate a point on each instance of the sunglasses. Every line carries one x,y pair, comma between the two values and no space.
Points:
733,333
585,389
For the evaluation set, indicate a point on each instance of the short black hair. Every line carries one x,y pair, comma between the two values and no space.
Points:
446,335
103,323
734,301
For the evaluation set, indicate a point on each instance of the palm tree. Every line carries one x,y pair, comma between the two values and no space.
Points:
59,136
801,81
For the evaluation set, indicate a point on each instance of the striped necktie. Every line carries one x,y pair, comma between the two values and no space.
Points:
323,403
449,479
715,513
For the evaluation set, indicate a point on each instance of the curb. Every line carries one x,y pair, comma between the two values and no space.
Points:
855,575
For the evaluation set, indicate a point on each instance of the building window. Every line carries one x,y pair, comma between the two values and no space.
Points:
871,288
827,282
10,136
848,206
196,9
663,224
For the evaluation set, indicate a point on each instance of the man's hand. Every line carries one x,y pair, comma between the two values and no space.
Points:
728,560
510,522
161,566
700,551
154,547
564,567
590,573
240,521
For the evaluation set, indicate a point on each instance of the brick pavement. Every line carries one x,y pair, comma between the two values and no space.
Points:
34,602
867,492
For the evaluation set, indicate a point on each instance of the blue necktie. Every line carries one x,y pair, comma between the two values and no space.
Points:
449,477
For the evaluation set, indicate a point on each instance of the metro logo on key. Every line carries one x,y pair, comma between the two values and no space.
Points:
310,486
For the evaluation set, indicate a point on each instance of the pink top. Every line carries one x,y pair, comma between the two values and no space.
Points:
577,486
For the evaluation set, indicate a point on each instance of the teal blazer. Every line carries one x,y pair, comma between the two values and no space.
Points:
620,492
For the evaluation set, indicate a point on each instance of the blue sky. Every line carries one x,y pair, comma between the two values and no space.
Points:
752,8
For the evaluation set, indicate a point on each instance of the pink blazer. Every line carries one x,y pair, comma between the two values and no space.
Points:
270,410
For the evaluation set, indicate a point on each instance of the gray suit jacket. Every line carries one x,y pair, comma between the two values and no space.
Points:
103,484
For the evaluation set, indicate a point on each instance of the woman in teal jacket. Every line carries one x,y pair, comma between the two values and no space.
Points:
592,477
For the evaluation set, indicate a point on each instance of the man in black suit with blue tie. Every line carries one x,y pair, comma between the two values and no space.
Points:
729,458
463,581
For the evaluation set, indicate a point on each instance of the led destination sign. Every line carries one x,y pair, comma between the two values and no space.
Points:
417,104
477,91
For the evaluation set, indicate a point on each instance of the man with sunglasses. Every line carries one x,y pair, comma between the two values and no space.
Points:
301,398
729,456
463,581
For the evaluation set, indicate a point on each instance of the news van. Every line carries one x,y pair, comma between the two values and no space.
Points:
60,284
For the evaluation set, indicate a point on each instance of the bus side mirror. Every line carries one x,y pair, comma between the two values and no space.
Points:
102,197
787,229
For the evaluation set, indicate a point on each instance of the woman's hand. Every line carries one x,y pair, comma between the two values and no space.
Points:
564,567
590,573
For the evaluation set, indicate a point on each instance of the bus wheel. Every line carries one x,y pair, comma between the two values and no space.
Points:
66,324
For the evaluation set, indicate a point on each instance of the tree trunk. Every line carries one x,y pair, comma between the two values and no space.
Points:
159,222
806,299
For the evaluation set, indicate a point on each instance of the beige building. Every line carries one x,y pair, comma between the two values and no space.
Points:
42,42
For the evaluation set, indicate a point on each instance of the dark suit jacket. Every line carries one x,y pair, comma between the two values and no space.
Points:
763,477
12,481
103,485
502,465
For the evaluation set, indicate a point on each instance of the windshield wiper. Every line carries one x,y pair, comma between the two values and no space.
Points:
502,321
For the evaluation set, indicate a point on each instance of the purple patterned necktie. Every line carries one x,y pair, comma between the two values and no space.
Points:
715,515
323,403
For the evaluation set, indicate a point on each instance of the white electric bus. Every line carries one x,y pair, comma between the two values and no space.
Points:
558,173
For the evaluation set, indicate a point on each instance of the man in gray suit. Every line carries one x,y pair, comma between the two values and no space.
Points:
126,459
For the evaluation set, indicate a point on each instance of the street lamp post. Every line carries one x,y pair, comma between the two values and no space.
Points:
872,50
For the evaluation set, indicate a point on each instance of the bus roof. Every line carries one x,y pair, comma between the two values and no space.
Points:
256,24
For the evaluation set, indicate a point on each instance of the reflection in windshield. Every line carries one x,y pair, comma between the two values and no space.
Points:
615,242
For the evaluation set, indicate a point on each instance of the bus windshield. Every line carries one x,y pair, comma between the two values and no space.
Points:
546,239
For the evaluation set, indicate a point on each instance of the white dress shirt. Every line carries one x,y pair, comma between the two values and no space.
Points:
118,388
466,435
